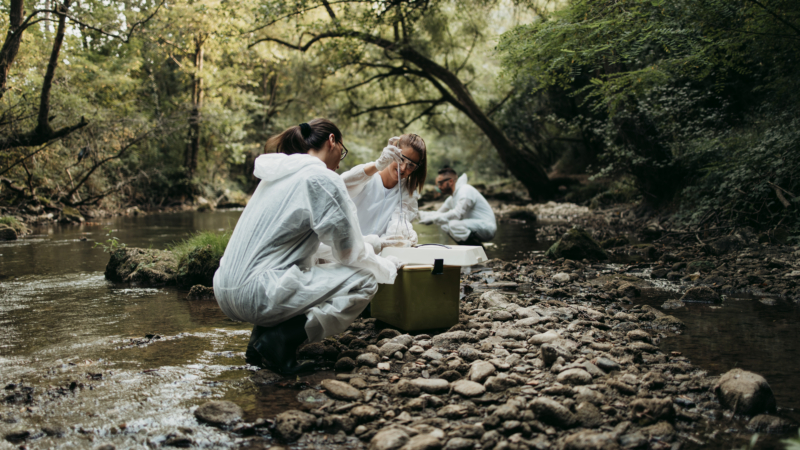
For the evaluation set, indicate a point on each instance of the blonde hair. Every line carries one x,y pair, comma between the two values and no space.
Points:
417,178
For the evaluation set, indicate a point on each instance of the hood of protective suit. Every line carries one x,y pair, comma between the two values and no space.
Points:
275,166
462,181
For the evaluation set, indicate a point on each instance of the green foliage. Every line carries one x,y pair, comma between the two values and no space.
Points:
110,245
792,444
215,241
695,100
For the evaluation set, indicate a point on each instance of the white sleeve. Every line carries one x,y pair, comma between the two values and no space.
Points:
334,220
355,179
464,204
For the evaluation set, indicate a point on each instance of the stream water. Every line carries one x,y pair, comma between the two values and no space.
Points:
106,363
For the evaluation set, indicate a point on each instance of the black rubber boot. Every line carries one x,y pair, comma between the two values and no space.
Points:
275,348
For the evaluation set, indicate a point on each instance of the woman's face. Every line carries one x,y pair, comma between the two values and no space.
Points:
410,162
330,153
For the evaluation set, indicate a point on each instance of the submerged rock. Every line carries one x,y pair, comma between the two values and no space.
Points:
200,292
576,244
764,423
141,266
745,393
391,439
7,233
701,294
219,413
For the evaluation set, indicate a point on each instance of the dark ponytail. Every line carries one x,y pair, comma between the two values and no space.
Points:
304,137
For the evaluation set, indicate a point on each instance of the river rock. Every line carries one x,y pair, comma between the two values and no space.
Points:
403,339
591,440
651,410
432,385
511,333
576,244
200,292
17,436
468,388
334,423
460,443
344,365
453,338
7,233
607,365
312,398
493,300
673,304
368,359
764,423
219,413
661,431
668,322
453,412
639,335
468,353
390,439
561,277
550,353
588,416
405,388
70,214
341,390
426,441
701,294
551,412
290,425
390,348
745,392
499,383
432,355
142,266
544,338
198,267
574,376
480,371
364,413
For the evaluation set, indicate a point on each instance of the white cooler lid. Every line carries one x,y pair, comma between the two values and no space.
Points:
453,255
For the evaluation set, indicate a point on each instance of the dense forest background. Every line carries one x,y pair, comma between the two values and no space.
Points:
685,105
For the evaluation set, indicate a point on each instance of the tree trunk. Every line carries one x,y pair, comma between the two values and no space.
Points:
193,146
11,45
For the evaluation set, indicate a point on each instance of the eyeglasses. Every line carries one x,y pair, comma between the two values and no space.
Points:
409,163
441,183
344,151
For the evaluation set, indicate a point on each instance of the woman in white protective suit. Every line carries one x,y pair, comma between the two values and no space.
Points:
385,192
267,275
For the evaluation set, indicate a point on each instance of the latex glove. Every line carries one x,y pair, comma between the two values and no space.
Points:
394,241
440,219
394,140
427,217
389,155
396,261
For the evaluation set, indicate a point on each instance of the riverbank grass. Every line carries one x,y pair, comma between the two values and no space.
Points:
215,240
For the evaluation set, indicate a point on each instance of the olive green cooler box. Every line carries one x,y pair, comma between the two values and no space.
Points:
425,294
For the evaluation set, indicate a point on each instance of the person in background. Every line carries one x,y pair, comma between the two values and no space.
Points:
268,275
386,191
466,215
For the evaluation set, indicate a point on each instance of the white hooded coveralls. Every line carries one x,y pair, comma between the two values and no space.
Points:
379,211
465,212
268,275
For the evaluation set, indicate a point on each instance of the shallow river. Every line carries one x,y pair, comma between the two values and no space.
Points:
82,343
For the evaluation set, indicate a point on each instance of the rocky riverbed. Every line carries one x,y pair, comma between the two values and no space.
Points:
558,355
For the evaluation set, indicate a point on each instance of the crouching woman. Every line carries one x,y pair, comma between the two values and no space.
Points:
267,275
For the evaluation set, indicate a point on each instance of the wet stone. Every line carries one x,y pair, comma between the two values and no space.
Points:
650,410
292,424
574,376
312,398
764,423
673,304
468,388
364,413
551,412
391,439
344,365
423,442
368,359
702,294
341,390
54,430
747,392
459,443
607,364
481,370
219,413
668,322
432,385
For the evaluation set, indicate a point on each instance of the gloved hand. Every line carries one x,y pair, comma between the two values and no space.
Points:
440,219
389,155
427,217
396,261
394,140
394,241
